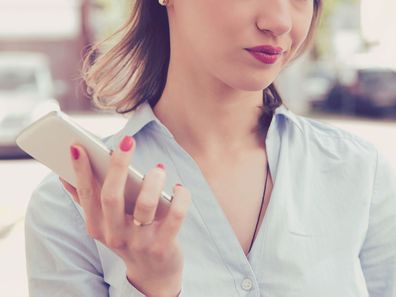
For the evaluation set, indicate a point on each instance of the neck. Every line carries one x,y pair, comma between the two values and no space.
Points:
210,121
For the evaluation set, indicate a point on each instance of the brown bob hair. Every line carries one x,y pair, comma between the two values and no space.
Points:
134,68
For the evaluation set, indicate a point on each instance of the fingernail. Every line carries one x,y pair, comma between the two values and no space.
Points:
126,143
160,165
74,152
178,185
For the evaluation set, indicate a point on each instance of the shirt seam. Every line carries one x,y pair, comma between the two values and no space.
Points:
336,136
348,137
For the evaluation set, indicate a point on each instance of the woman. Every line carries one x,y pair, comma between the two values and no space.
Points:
268,203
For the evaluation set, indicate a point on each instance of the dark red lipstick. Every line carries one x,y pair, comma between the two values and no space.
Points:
266,54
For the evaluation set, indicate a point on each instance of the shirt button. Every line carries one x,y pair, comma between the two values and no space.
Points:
247,284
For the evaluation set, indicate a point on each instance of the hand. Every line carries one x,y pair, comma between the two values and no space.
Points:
152,253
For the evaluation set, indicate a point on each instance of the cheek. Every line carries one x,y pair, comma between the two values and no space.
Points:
203,27
221,20
300,31
213,34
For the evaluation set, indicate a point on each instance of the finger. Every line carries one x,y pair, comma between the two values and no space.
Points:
72,190
178,210
112,195
148,198
87,190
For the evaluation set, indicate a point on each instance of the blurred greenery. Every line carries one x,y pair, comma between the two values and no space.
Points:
115,13
322,41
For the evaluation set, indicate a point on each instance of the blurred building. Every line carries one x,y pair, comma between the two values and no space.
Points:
57,28
310,78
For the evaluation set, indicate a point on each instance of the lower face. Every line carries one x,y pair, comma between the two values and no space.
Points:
215,34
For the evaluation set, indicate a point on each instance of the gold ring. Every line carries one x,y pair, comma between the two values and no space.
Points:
140,224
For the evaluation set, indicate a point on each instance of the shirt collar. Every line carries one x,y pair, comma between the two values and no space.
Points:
284,111
144,115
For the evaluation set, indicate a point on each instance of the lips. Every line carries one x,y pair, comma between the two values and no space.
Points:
265,58
267,49
266,54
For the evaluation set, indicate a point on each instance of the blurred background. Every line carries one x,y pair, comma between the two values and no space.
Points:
347,79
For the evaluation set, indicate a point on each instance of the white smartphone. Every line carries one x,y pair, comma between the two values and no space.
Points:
48,140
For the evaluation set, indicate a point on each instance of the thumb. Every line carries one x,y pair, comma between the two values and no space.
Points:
72,190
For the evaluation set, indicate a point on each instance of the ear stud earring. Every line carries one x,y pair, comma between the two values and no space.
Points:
163,2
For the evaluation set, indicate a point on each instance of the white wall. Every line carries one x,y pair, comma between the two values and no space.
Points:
379,21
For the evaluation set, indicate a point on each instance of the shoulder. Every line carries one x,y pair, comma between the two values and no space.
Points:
327,136
55,232
51,206
50,190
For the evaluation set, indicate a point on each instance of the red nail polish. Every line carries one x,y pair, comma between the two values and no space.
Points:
178,185
74,152
160,165
126,143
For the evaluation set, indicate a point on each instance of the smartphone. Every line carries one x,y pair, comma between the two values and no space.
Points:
48,140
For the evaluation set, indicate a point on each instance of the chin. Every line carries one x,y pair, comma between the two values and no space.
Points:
248,79
253,83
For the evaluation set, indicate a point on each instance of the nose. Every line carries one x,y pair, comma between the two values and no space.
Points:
274,16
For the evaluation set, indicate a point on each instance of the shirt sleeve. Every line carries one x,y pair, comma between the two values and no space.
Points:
130,290
378,253
61,259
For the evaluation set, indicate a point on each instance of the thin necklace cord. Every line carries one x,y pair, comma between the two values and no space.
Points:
261,208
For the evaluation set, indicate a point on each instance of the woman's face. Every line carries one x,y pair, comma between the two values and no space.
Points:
213,35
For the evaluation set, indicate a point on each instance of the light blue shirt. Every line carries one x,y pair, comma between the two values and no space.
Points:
329,229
